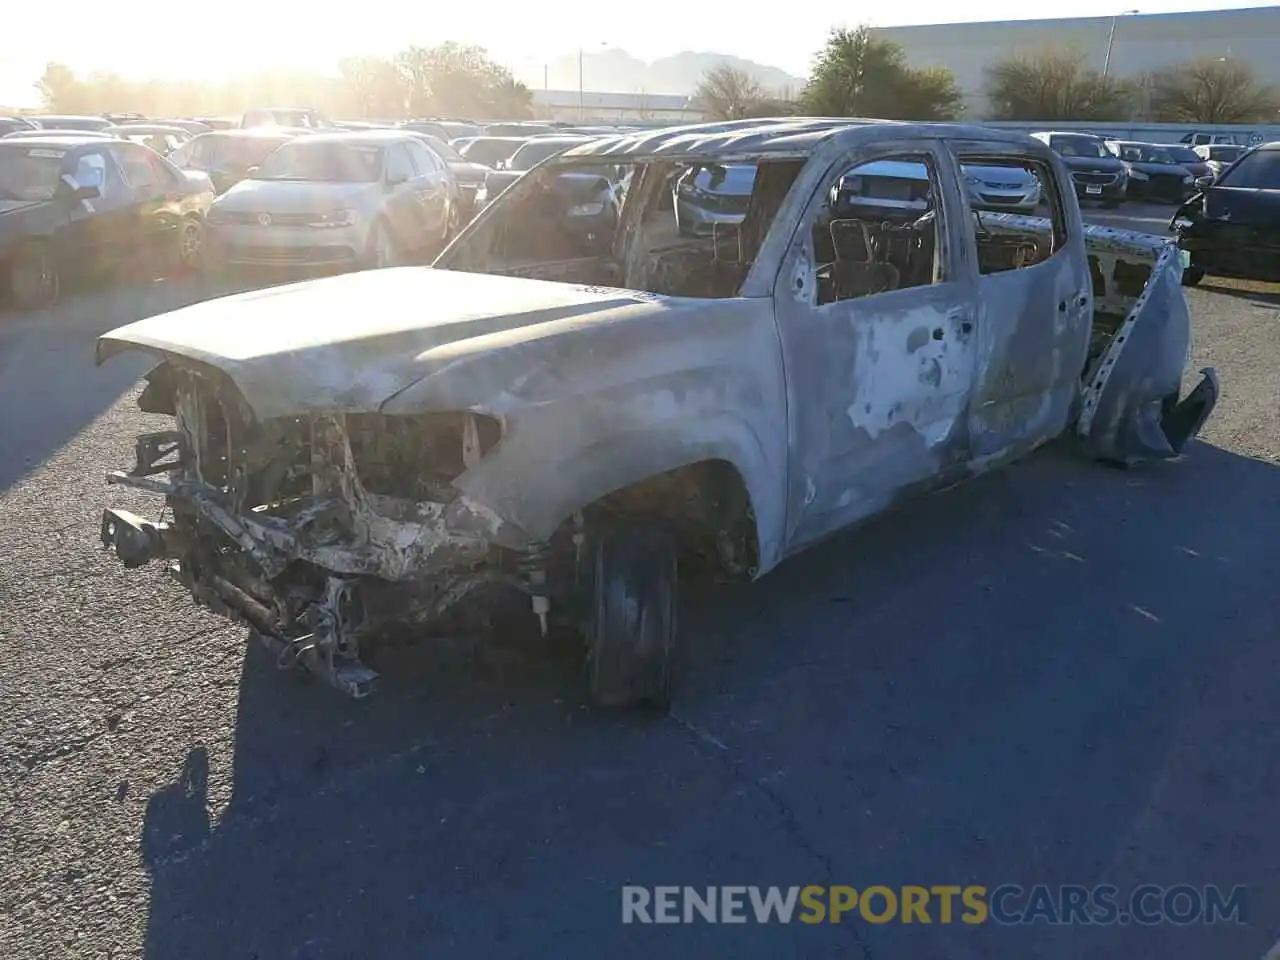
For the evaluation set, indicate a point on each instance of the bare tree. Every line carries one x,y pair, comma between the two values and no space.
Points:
1212,90
727,93
1054,84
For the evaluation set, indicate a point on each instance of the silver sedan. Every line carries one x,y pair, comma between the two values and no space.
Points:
349,200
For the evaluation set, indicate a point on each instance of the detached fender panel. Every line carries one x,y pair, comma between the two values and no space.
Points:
1131,409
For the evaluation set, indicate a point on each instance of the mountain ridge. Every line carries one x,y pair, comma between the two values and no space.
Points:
616,71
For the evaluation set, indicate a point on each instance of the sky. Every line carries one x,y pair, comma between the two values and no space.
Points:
160,38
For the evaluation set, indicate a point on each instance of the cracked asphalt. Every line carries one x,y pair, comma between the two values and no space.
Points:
1060,674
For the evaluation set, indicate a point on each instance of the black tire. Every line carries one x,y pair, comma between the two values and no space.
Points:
1192,276
631,632
34,278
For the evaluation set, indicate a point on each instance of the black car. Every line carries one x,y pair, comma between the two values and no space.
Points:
1190,160
528,155
227,156
470,175
489,151
1095,171
1232,227
80,206
1153,173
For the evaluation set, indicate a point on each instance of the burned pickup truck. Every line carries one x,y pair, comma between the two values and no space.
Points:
397,452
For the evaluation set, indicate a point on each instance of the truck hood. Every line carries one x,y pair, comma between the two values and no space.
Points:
349,343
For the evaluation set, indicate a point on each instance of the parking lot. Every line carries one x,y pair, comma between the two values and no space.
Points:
1061,673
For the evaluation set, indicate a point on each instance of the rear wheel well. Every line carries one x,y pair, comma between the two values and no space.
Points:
705,506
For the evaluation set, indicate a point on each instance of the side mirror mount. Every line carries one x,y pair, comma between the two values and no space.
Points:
253,170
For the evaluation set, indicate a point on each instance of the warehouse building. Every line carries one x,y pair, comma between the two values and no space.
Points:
591,106
1141,43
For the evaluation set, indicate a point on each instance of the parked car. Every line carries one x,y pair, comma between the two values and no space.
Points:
191,127
30,134
445,130
216,123
162,139
387,449
67,122
1232,227
1218,156
1187,158
336,199
1096,172
285,117
1152,172
79,205
712,194
16,125
228,155
1001,188
528,155
469,176
531,128
487,151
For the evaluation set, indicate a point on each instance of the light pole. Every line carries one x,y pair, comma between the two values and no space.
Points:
1111,38
599,43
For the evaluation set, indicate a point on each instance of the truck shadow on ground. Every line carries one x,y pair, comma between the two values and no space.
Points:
991,685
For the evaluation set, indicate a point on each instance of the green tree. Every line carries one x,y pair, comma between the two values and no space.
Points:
373,87
1055,84
856,75
454,79
60,90
1211,90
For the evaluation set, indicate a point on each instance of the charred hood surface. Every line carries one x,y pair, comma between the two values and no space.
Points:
349,343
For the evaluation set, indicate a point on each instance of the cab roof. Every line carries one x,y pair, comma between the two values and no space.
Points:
762,138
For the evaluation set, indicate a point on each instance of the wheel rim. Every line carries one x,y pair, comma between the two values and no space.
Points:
33,279
190,244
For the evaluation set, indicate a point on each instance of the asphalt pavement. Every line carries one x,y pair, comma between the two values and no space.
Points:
1059,674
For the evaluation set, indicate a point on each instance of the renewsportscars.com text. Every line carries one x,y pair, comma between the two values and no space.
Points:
1008,904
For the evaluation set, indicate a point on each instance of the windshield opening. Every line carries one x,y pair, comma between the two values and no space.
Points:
1078,147
29,174
1259,170
1183,155
331,162
562,223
